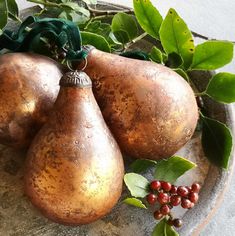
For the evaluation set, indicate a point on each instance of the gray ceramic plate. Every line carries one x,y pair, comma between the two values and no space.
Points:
19,218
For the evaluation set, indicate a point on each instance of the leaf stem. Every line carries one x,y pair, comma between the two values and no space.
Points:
200,94
96,12
197,35
135,40
41,12
46,3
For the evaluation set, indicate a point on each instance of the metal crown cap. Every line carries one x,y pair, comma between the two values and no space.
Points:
75,79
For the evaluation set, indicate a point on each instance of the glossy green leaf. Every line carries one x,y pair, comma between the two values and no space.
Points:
148,17
3,13
171,169
222,88
216,141
74,6
170,230
139,166
137,185
160,228
156,55
96,40
124,27
135,202
182,73
176,37
122,36
212,55
12,7
103,29
174,60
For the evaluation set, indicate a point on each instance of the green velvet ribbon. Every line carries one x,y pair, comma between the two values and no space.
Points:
61,32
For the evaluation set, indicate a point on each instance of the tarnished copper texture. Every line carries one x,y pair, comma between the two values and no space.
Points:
74,170
29,85
150,109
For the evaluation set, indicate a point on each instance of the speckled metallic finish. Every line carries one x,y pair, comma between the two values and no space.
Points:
29,87
74,168
150,109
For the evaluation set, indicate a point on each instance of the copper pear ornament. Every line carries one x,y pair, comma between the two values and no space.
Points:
150,109
74,169
29,85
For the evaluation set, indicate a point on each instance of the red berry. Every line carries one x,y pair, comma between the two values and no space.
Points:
151,198
170,222
193,197
186,203
177,223
163,198
189,189
196,187
166,186
173,189
182,191
175,200
192,205
155,185
158,215
165,210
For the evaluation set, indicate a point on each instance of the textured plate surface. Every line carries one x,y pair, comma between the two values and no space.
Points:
18,217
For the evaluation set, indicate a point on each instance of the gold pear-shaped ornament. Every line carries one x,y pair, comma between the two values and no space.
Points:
150,109
74,168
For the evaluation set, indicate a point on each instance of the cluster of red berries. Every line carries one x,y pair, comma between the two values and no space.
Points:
169,196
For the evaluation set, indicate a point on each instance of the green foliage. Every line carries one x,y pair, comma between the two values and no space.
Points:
157,56
135,202
216,141
137,185
174,60
222,88
142,165
8,9
148,17
124,27
182,73
212,55
96,40
176,37
171,169
163,229
103,29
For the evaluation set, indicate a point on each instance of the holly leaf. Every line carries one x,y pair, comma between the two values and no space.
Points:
171,169
96,40
124,27
3,13
212,55
148,17
135,202
216,141
182,73
176,37
139,166
137,185
222,87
